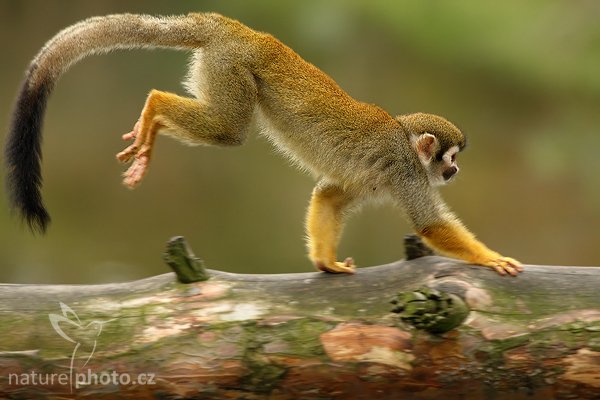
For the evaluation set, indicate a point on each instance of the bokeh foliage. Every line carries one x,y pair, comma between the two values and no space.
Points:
520,78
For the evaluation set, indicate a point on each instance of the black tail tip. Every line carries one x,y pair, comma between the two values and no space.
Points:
37,221
36,218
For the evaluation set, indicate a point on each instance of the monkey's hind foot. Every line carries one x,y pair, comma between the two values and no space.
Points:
140,152
127,154
346,267
134,174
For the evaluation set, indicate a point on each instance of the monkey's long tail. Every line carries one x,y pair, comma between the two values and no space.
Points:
92,36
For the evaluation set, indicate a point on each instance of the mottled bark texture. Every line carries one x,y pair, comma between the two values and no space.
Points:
309,336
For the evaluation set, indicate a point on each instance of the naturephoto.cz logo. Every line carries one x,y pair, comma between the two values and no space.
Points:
84,339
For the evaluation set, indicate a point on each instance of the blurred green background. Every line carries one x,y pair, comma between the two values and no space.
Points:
522,79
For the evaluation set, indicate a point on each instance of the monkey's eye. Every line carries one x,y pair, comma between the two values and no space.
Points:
453,159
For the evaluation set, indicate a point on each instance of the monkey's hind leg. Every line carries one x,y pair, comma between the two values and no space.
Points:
157,113
324,223
186,119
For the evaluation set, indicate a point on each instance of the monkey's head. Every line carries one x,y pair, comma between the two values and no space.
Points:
436,142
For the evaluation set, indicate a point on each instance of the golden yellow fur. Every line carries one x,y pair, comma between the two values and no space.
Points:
455,240
357,151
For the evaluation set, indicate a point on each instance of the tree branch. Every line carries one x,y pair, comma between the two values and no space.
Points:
308,335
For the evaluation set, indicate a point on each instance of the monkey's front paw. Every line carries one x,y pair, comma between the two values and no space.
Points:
346,267
504,265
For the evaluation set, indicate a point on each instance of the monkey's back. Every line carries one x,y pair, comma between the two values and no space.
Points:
299,108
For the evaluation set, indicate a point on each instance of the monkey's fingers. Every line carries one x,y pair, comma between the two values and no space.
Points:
127,154
133,134
513,263
504,265
128,136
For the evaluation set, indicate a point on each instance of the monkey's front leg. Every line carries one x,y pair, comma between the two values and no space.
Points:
324,223
455,240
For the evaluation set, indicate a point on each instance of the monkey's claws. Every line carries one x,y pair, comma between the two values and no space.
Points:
346,267
504,265
127,154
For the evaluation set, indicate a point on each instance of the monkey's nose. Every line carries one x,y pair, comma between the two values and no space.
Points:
449,173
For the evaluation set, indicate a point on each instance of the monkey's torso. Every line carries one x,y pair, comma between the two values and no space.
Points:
301,110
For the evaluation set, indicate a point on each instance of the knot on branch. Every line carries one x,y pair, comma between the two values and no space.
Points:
430,309
415,248
183,262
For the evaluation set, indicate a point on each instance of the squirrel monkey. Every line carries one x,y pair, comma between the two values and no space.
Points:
356,150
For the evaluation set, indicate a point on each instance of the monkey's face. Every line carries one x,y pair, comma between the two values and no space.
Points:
443,168
439,163
437,142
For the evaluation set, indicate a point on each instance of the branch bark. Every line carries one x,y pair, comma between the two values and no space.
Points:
308,335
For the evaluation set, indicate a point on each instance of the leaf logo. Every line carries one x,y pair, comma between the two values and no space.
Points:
87,334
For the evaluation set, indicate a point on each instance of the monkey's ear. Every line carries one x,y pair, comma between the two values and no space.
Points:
426,146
